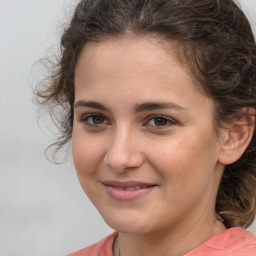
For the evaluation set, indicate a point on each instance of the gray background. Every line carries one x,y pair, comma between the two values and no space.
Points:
43,209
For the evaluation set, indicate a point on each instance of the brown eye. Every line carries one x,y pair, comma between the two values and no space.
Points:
98,119
160,121
94,120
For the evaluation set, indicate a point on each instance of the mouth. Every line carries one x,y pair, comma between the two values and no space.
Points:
127,191
132,188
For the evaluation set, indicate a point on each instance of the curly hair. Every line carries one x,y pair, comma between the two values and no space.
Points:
214,39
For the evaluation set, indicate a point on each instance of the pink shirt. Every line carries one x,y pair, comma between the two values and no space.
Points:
233,242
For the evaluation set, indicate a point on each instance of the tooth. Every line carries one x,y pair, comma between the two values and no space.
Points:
131,188
119,188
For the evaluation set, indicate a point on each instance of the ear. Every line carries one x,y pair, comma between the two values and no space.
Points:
237,136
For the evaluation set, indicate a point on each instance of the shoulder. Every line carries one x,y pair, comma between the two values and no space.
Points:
242,241
234,241
101,248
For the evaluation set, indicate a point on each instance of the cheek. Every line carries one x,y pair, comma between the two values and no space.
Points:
87,154
87,157
184,157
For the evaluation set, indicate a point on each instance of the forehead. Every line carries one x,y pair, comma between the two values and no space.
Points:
146,48
123,72
121,55
137,51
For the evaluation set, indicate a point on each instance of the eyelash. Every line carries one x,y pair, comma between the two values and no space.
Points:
85,119
169,122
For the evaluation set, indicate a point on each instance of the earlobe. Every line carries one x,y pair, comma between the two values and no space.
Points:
237,136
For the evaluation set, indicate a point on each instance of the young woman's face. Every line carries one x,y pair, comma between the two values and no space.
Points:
144,143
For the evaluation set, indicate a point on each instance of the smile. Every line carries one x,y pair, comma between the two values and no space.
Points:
127,191
132,188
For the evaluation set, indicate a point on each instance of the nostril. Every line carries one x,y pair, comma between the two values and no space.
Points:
122,161
123,152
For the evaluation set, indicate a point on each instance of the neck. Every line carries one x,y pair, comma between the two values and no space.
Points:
171,241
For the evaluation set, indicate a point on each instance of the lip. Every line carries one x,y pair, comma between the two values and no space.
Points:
117,190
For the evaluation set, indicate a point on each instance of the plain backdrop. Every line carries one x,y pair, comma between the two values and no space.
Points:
43,209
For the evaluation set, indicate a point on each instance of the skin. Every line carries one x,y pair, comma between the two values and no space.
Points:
178,151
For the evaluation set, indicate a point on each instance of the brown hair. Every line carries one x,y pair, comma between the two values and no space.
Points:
219,48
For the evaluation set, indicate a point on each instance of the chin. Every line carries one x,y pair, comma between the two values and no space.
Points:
127,225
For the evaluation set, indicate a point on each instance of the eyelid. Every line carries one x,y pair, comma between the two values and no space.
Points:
84,119
171,121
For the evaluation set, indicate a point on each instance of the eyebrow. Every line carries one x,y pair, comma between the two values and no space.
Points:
91,104
147,106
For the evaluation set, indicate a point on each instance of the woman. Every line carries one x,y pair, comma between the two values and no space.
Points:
159,98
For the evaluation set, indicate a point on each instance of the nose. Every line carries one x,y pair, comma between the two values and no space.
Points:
124,152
